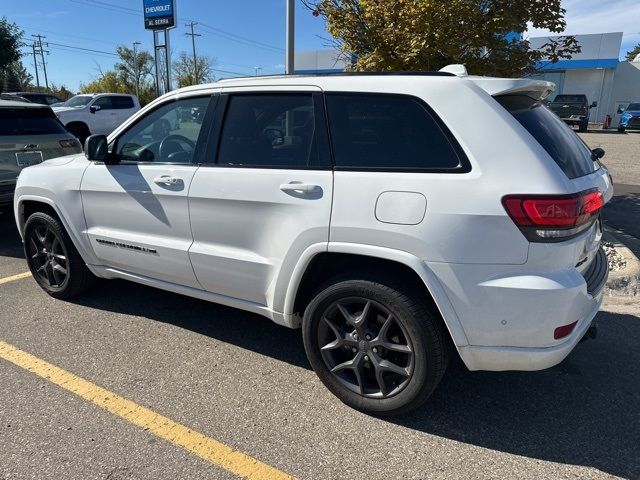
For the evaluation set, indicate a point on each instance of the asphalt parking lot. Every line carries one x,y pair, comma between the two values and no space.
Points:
235,378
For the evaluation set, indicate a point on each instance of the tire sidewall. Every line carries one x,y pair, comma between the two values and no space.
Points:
424,377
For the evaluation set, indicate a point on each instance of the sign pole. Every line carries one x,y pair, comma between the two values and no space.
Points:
160,17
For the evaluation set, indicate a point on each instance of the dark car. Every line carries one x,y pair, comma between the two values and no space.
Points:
573,109
35,97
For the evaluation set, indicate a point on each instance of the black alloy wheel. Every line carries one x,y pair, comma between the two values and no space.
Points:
365,347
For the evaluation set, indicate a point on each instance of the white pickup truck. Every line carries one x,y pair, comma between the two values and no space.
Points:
96,113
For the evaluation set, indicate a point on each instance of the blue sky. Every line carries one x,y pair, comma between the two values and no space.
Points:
240,34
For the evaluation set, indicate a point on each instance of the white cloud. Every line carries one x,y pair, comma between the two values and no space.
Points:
598,16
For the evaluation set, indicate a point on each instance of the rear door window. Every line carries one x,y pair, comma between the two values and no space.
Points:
389,132
29,121
561,143
122,103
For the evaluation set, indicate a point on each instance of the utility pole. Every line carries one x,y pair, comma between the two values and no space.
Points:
193,44
35,64
291,27
257,70
44,65
135,67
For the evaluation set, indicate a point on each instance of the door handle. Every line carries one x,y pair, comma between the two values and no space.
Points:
167,180
299,187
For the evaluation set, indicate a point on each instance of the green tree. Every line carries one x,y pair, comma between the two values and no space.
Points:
633,53
10,43
393,35
17,78
185,70
136,69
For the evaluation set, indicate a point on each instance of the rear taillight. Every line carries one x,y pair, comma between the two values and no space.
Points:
553,217
68,143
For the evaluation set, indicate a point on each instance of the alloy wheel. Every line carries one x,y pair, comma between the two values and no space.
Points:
48,256
365,347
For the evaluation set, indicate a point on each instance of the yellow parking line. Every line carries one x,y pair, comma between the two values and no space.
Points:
204,447
13,278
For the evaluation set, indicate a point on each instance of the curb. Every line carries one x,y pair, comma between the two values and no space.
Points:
625,282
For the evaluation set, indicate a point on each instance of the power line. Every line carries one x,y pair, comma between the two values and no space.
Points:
101,52
193,43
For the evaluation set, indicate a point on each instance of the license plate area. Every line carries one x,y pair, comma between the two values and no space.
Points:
26,159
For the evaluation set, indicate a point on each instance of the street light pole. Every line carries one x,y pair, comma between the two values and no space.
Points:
291,26
135,67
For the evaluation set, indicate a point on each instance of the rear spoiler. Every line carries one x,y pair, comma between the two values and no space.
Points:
536,89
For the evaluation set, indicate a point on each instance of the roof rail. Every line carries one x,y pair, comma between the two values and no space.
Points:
344,74
456,69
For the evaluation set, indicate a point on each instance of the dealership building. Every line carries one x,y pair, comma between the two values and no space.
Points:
596,71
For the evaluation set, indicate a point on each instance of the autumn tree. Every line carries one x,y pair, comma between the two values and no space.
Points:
186,71
396,35
633,53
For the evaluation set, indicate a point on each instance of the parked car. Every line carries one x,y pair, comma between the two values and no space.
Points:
363,208
98,113
35,97
573,109
13,98
29,134
630,119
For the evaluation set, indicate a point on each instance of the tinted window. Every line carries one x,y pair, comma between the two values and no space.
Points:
561,143
167,134
571,99
122,103
269,131
387,132
29,121
35,98
633,106
105,103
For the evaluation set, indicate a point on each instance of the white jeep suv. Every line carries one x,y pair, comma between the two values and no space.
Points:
396,218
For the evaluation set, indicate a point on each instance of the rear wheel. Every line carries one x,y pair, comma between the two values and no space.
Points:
53,259
376,348
621,129
583,127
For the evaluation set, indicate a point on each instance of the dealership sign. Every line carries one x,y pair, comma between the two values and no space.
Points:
159,14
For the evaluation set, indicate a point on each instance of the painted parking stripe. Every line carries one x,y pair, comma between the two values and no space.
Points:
13,278
204,447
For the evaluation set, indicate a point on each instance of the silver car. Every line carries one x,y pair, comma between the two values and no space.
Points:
29,134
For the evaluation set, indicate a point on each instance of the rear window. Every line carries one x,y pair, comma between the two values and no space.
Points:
571,98
29,121
389,132
122,103
561,143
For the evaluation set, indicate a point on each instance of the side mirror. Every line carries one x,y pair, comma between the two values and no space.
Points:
620,109
96,148
94,108
598,153
594,105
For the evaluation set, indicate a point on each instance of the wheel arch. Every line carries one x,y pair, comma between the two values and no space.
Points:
315,267
29,204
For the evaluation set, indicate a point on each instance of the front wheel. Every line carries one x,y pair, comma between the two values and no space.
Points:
621,129
376,348
53,259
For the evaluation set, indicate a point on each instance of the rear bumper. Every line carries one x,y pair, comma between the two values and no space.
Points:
526,358
509,313
6,194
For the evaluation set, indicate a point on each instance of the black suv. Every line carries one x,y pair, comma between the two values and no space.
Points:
573,110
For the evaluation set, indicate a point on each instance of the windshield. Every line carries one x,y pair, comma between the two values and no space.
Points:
561,143
633,107
78,101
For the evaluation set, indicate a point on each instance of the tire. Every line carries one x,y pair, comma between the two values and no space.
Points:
400,321
79,130
621,129
53,259
583,127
